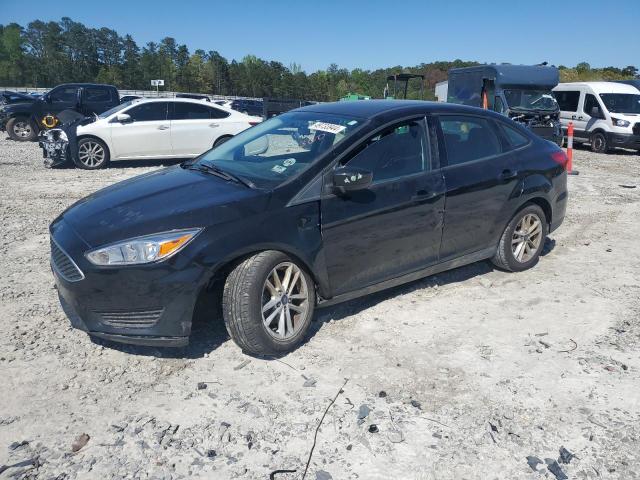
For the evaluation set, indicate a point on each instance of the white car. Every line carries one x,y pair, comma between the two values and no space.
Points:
604,114
157,128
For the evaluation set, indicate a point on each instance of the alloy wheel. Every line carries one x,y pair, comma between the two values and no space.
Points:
91,154
22,129
527,237
285,301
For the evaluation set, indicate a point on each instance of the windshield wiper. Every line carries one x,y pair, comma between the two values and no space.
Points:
217,171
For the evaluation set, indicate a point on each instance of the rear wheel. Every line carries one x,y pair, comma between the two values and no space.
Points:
268,303
599,143
220,141
22,129
522,240
92,154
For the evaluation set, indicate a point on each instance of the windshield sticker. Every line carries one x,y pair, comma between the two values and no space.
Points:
288,162
278,168
327,127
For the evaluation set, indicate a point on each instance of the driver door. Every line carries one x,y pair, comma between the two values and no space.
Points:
394,226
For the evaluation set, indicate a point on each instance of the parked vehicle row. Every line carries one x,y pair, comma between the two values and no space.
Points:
25,119
311,207
144,129
604,114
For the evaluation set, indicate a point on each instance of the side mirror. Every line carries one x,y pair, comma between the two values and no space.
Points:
124,118
595,112
347,179
47,98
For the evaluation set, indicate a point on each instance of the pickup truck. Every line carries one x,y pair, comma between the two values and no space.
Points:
24,120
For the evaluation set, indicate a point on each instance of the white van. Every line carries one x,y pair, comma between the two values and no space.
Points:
604,114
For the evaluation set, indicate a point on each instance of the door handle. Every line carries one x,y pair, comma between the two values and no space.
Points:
214,125
422,195
573,117
580,117
163,127
508,174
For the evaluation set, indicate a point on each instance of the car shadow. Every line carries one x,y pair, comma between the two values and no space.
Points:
208,331
167,162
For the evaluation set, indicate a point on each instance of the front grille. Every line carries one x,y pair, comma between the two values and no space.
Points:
131,318
636,129
63,265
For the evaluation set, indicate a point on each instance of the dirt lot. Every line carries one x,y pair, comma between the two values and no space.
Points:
465,374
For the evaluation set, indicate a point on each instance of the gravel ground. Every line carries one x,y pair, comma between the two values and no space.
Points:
459,376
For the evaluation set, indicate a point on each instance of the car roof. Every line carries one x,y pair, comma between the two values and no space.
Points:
368,109
599,87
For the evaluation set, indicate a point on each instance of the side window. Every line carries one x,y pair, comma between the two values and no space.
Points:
514,138
217,113
149,112
64,95
568,100
468,138
189,111
396,152
93,94
591,101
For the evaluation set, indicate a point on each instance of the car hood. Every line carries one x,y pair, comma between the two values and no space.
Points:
168,199
17,106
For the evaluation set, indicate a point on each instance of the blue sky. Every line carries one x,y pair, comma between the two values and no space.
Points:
369,34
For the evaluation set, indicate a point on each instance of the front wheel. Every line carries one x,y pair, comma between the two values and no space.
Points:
599,143
92,154
522,240
22,129
268,303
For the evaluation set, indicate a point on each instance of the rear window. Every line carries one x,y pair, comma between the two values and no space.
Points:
469,138
514,138
93,94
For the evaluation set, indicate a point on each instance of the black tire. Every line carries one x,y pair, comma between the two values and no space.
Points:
242,305
599,143
221,140
91,144
22,129
505,257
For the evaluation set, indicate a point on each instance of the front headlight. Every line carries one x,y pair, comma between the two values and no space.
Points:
619,123
147,249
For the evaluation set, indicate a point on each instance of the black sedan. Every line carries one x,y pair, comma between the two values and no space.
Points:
315,206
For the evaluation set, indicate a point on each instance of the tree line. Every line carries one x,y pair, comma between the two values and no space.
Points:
45,54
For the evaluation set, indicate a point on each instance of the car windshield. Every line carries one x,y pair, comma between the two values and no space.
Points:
621,102
530,99
115,109
281,147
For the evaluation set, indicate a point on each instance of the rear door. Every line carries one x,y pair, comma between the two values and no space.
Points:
97,99
394,226
480,176
195,127
148,135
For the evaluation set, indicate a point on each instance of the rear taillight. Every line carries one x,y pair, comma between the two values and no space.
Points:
560,158
253,124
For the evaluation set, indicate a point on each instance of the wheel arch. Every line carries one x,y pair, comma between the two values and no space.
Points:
219,274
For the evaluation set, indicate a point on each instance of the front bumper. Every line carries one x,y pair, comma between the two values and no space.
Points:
624,140
55,151
142,305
